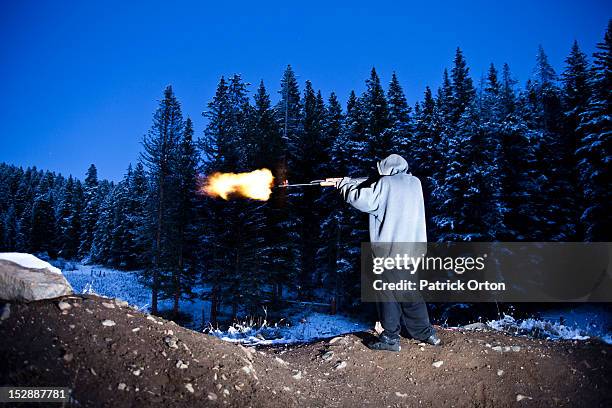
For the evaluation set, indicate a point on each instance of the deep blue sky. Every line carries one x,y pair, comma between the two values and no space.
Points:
81,80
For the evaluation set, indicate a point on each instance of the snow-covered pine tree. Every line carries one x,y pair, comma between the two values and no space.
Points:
90,212
595,146
288,113
103,231
23,204
69,219
377,121
350,155
138,227
555,200
121,240
575,98
310,152
460,127
327,254
43,226
401,125
267,149
517,163
160,150
184,228
429,152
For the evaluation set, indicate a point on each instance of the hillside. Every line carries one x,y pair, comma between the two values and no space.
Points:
147,361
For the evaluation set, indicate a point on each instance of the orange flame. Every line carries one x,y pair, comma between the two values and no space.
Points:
256,184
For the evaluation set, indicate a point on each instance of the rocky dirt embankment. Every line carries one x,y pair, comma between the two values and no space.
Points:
114,356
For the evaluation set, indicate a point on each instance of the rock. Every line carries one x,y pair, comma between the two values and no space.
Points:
336,339
297,376
327,356
520,397
340,365
121,386
121,303
399,394
211,395
437,364
137,372
108,305
93,371
515,348
171,342
108,323
25,278
63,306
6,312
180,365
136,329
476,326
281,361
189,388
68,357
500,372
226,392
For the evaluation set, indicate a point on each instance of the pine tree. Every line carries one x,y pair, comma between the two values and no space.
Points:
267,149
90,213
183,276
428,151
555,201
42,222
310,154
330,202
377,121
103,231
576,94
289,110
401,124
138,211
160,149
69,219
594,148
517,163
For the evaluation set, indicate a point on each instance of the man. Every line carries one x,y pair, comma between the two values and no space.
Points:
397,215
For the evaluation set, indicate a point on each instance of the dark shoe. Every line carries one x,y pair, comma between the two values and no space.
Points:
434,340
385,342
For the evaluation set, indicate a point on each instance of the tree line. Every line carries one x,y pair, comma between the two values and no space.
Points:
497,162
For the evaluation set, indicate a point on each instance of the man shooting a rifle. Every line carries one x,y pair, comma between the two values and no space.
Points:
396,215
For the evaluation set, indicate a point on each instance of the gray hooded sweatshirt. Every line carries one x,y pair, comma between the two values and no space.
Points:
394,202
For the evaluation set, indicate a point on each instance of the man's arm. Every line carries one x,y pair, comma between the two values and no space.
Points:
366,199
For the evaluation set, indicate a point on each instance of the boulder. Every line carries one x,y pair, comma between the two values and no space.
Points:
24,278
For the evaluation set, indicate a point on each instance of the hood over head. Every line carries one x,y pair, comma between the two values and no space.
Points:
392,164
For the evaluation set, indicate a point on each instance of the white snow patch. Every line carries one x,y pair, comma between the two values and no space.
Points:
28,261
309,328
542,329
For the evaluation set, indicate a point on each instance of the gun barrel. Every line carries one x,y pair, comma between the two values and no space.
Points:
329,182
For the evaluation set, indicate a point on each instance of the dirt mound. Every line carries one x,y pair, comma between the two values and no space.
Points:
114,356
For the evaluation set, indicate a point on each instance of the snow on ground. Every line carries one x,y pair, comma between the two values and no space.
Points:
307,328
28,261
126,286
579,323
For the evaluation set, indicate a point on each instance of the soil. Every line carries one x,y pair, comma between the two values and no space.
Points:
135,363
